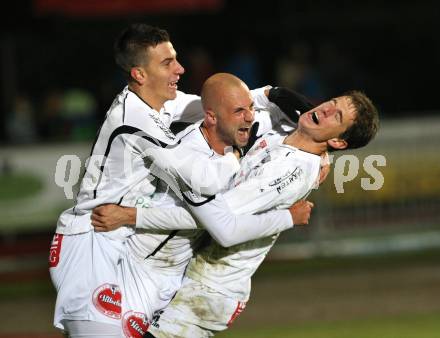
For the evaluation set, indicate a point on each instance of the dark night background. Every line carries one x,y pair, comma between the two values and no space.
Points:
389,50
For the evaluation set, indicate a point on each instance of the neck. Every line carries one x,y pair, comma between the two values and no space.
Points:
146,96
304,143
213,140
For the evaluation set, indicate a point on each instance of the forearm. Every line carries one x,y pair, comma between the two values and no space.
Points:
229,229
176,218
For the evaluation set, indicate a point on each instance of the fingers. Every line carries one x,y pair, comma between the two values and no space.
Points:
104,209
98,222
301,212
100,229
99,210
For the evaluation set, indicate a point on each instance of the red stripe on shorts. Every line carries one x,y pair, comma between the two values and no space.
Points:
55,248
239,309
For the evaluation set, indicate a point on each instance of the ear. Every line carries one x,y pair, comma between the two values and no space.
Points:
210,117
337,143
138,75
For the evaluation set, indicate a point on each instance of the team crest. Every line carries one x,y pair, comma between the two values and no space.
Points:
134,324
107,299
263,144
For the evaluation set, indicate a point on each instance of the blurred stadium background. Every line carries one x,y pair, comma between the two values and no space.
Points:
368,264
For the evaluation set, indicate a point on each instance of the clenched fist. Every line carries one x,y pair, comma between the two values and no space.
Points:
300,212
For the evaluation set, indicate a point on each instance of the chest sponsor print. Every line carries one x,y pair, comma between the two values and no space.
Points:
288,178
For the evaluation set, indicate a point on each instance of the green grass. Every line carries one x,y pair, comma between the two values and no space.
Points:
280,269
27,289
16,186
408,326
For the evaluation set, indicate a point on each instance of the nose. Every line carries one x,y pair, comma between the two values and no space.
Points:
329,111
179,69
249,115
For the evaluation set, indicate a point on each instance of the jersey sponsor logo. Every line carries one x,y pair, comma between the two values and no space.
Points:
159,123
238,310
284,181
55,249
134,324
107,300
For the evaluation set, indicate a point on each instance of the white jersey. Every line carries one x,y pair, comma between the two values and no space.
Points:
272,175
158,256
164,232
83,265
171,250
116,169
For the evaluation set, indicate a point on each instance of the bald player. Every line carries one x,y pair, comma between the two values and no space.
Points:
149,278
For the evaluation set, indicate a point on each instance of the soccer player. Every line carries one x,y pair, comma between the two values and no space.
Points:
83,262
276,172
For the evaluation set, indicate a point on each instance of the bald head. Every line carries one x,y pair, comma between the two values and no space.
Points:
218,87
229,111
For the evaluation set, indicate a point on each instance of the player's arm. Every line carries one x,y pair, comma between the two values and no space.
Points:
276,103
111,216
185,108
182,162
229,229
280,186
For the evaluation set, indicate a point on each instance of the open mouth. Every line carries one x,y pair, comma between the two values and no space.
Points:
173,84
315,117
244,131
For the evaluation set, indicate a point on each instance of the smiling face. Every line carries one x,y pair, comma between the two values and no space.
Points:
162,74
328,121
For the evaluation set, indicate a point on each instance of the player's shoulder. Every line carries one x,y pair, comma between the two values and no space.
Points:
192,140
191,134
289,154
180,99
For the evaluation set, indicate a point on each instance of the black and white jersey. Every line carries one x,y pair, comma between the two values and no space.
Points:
116,169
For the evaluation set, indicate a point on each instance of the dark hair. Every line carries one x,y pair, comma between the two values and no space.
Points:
366,123
130,48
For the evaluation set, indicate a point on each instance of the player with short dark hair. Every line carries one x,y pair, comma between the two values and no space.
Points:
276,172
82,262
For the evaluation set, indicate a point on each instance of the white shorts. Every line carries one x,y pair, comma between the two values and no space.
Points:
196,311
84,271
145,290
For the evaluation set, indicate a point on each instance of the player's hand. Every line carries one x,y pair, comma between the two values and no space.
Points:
301,211
325,167
109,217
289,101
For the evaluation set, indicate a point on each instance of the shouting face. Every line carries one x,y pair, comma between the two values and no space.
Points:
235,115
328,121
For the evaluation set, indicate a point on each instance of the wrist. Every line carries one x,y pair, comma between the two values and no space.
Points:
130,216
